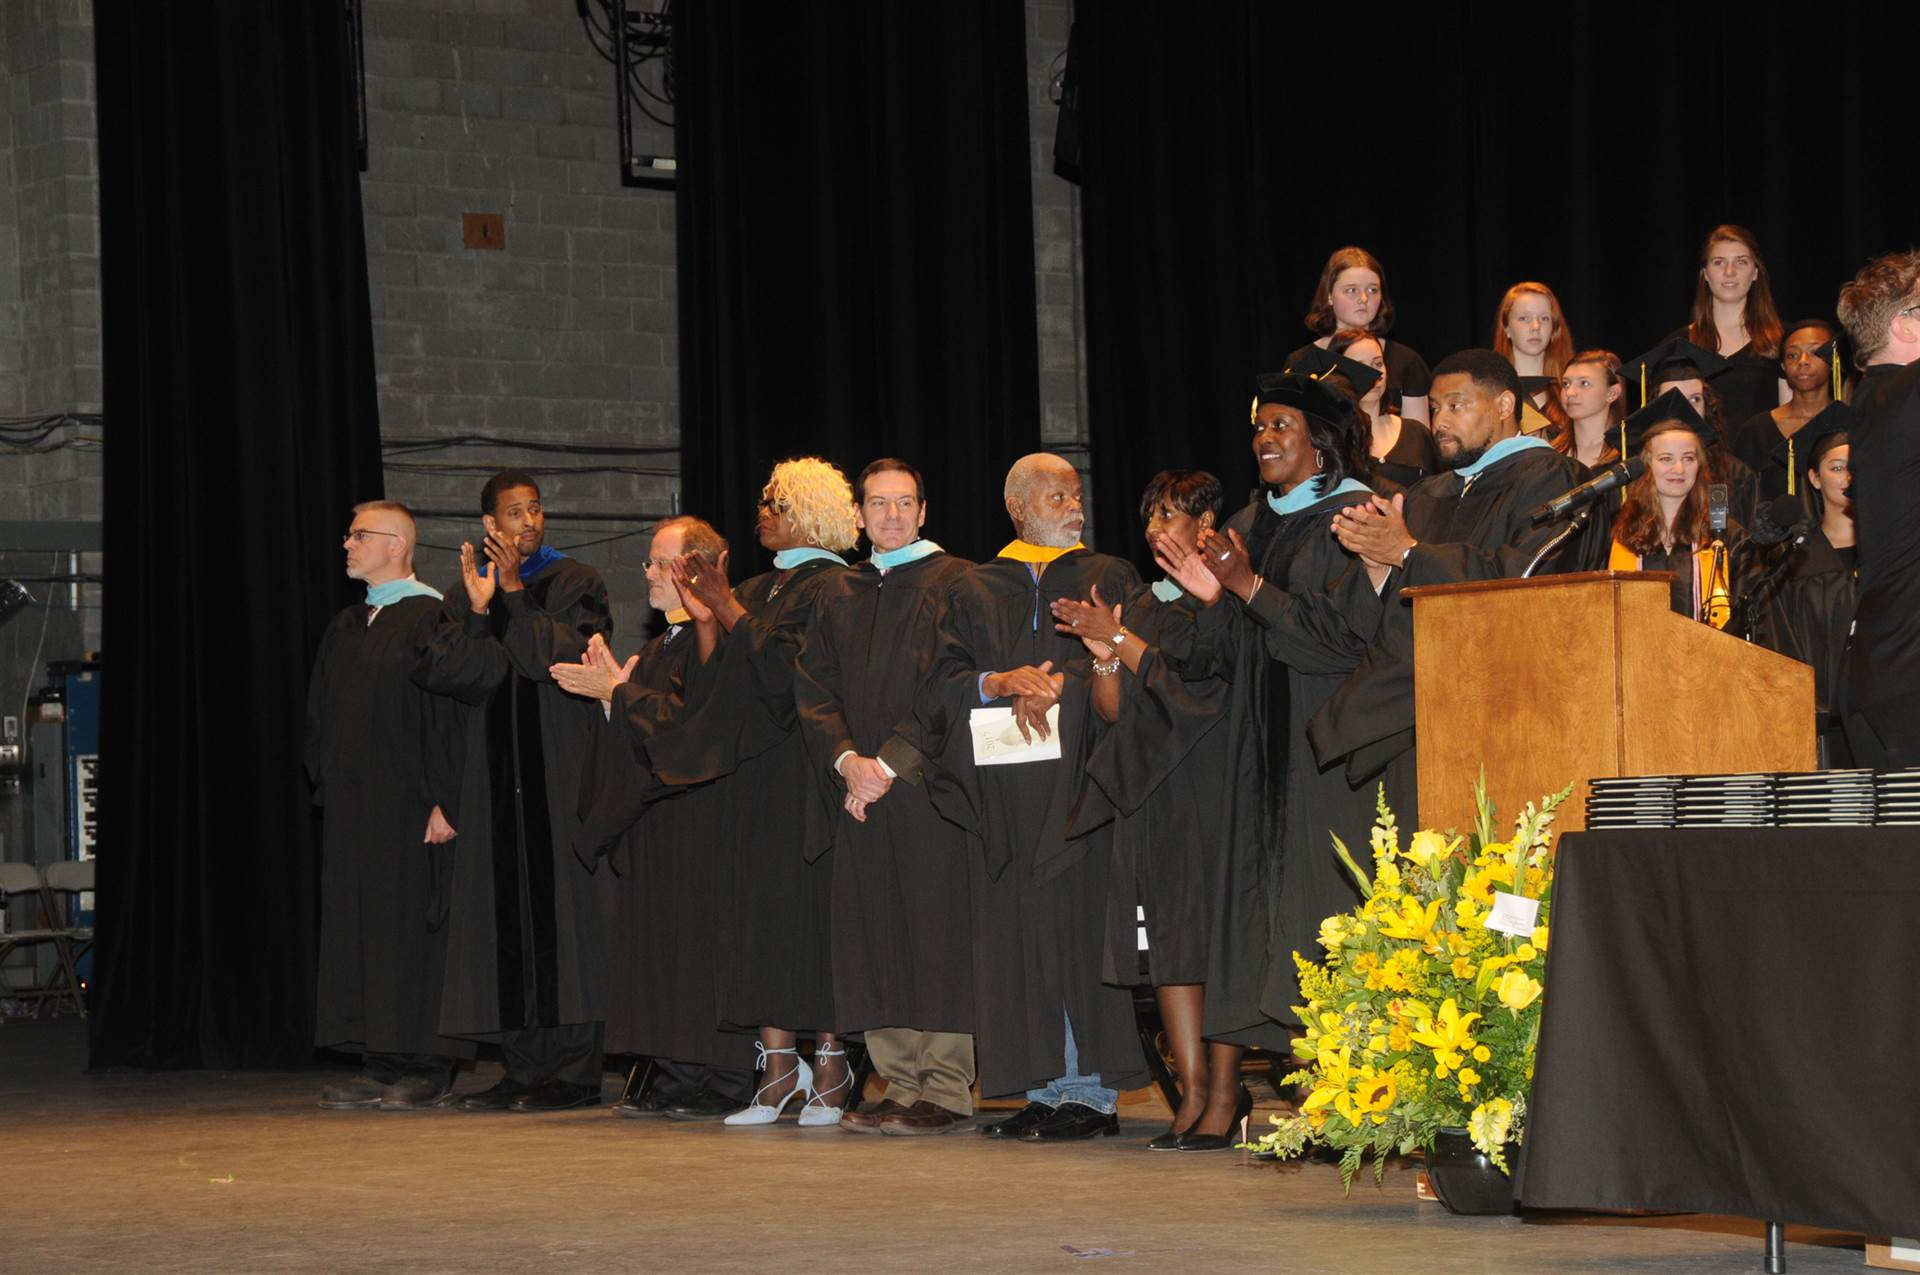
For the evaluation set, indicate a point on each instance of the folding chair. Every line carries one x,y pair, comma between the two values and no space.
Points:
64,984
69,879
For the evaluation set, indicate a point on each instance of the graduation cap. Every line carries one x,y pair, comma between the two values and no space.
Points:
1308,395
1531,385
1671,409
1317,363
1675,354
1835,418
1830,354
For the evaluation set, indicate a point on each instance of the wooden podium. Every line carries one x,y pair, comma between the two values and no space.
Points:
1575,677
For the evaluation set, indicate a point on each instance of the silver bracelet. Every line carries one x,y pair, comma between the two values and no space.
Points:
1109,668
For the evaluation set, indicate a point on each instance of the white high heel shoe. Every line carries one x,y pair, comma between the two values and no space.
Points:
759,1112
819,1112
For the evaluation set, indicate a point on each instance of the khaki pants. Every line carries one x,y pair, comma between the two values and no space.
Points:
934,1067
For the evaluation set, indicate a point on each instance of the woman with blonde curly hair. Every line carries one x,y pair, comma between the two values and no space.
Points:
742,732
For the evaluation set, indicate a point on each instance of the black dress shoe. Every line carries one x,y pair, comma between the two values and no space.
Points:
650,1105
1073,1122
1017,1124
1221,1141
498,1098
1168,1141
557,1095
358,1094
417,1093
704,1105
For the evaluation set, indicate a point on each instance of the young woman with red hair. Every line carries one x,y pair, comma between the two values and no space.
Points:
1530,331
1594,398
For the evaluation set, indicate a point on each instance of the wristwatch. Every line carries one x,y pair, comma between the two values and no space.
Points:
1120,635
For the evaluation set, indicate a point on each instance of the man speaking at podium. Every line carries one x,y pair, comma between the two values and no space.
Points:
1880,695
1473,521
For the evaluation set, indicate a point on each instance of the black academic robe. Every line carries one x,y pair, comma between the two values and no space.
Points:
1478,529
382,754
1173,769
1809,613
527,929
1411,458
741,733
902,937
1760,445
1882,685
1039,898
663,997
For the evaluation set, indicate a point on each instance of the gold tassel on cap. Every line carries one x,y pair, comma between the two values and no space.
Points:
1790,468
1836,371
1643,385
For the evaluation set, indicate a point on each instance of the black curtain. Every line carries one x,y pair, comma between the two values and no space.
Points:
856,252
1469,146
239,380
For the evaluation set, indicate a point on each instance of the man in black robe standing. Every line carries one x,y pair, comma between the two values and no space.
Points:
663,988
1474,521
526,933
1880,695
383,756
902,944
1045,1022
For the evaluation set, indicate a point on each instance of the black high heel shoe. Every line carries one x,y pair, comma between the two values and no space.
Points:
1236,1132
1170,1140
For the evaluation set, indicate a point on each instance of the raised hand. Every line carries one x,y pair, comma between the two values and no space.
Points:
703,589
1225,555
480,582
505,559
1185,568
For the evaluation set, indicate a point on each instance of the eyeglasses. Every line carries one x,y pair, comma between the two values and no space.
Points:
777,506
359,535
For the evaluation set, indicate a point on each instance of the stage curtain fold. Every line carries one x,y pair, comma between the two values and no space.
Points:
243,426
855,252
1229,150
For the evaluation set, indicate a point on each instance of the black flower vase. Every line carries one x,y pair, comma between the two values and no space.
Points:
1465,1179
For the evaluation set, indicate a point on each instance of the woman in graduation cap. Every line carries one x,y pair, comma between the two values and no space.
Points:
1664,522
1734,316
1677,363
1530,331
1170,770
1278,631
1402,450
1810,365
1595,400
1352,293
1809,612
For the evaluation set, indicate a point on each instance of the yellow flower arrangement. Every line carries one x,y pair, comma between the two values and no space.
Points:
1421,1018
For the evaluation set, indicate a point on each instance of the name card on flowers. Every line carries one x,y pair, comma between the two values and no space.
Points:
1513,914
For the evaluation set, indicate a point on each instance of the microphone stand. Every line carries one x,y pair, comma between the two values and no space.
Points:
1568,532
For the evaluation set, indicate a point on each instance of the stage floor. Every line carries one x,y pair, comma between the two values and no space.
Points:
203,1172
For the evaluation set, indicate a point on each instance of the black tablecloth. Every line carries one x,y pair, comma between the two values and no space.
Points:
1732,1025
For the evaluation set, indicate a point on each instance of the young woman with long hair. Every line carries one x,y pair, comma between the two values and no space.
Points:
1764,441
1733,315
1402,450
1664,522
1530,331
1352,293
1594,397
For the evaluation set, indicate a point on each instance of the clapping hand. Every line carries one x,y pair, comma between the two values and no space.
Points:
506,560
702,583
480,583
1376,531
1224,554
596,673
1094,623
1186,569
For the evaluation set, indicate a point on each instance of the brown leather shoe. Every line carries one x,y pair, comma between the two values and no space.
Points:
867,1119
924,1118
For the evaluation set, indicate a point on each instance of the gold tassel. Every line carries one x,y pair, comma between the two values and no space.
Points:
1836,371
1643,386
1253,413
1790,467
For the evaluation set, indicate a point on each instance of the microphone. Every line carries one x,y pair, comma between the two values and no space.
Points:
1717,508
1607,480
1779,519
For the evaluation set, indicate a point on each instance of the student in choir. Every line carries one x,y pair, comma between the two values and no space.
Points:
1810,365
1677,363
1809,614
741,732
1664,522
1401,450
1530,331
1595,401
1172,767
1352,293
1734,316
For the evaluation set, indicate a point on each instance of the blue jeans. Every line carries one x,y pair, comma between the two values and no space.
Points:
1071,1086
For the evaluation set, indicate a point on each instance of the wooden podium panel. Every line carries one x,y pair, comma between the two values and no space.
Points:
1575,677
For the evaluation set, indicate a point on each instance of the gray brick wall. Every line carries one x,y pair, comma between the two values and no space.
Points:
1056,248
569,334
49,319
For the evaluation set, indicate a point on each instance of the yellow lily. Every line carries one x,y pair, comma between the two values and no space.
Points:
1412,921
1449,1030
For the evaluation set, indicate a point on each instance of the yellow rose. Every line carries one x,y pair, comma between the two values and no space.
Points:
1333,931
1525,952
1428,848
1517,990
1540,937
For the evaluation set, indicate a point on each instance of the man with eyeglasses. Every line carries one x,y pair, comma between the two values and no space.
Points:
525,931
1880,308
383,756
